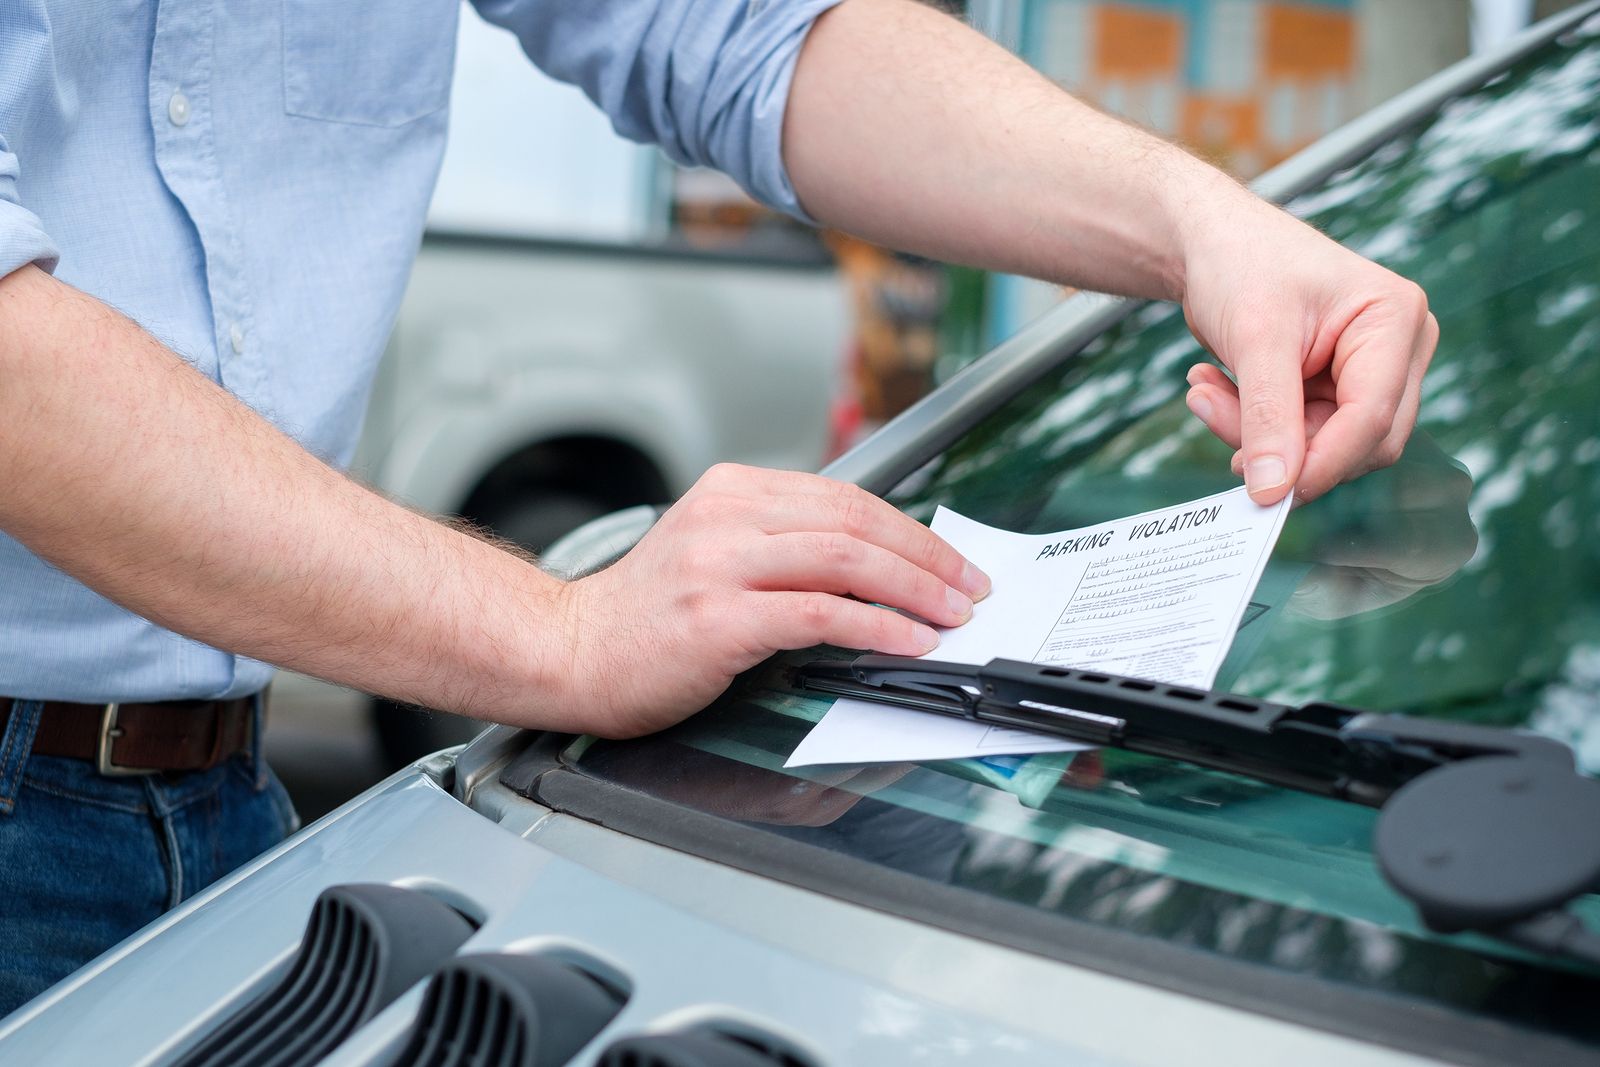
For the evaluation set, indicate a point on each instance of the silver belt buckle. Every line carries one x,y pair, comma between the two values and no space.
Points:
109,732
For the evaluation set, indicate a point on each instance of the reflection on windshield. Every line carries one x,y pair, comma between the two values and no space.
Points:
1385,538
1463,583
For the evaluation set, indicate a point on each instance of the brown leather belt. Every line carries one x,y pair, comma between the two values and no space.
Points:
123,739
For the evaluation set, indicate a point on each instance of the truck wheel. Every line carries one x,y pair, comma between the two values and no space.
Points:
534,521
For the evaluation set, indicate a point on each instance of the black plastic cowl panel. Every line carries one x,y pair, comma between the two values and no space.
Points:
508,1010
364,946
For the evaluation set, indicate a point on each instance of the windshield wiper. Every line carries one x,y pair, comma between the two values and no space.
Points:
1483,829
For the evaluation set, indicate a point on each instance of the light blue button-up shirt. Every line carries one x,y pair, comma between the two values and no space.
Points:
248,181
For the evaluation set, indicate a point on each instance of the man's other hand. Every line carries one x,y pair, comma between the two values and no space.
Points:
749,562
1327,349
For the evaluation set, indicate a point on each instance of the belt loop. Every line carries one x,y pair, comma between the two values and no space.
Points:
258,728
15,748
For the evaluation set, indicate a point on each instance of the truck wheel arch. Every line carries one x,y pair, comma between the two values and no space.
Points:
610,472
450,459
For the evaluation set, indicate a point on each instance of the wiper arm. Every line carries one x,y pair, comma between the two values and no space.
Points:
1483,829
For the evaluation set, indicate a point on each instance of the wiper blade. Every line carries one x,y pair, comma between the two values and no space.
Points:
1483,829
1320,748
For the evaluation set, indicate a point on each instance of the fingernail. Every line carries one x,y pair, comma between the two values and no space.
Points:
975,582
1265,472
1200,406
927,638
960,603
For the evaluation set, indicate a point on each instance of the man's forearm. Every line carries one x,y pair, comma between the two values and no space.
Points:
908,128
129,470
150,484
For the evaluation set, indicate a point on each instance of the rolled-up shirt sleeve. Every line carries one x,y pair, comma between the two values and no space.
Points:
22,237
707,80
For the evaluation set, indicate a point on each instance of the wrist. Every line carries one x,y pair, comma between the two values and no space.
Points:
1207,211
557,649
518,668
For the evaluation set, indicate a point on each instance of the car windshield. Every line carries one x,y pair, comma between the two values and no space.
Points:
1462,584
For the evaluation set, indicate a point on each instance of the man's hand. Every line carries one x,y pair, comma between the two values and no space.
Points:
1328,350
910,129
749,562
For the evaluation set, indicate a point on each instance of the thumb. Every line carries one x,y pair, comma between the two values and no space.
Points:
1272,420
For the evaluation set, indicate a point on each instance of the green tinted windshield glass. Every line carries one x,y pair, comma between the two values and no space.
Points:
1463,583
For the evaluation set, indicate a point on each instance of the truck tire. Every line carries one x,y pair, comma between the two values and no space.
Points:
534,521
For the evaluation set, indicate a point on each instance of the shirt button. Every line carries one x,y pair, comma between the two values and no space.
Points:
178,109
236,338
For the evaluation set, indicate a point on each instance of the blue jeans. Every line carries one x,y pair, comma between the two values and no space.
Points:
86,860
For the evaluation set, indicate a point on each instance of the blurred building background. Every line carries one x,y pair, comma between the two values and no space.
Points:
1245,83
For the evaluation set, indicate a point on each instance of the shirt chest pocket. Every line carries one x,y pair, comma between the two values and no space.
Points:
370,62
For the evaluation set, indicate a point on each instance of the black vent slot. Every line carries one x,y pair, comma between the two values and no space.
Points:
506,1010
705,1047
364,946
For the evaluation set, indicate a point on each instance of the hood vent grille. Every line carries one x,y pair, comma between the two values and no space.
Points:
364,946
505,1010
700,1048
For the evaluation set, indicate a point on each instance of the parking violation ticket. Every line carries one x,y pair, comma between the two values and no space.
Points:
1158,596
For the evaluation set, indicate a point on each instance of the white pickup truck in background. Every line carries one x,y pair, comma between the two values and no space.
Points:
532,385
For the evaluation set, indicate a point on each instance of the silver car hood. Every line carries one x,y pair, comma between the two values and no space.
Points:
696,942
